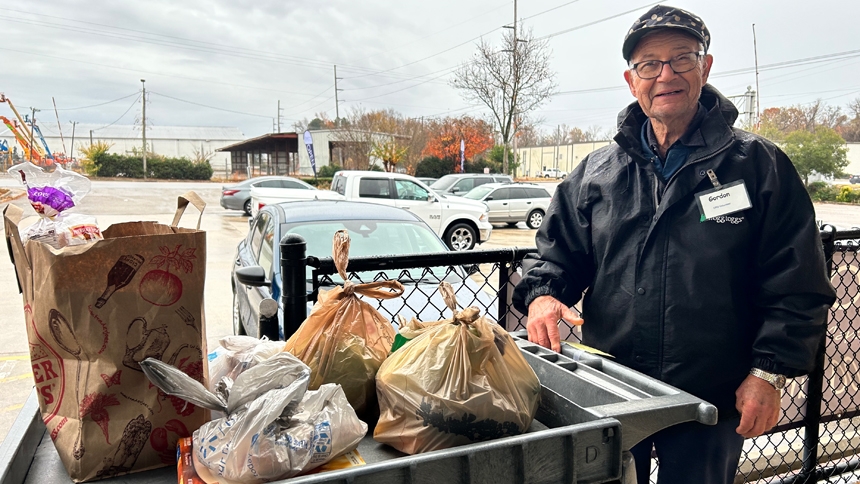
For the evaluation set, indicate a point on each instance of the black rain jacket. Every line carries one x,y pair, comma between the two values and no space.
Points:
693,303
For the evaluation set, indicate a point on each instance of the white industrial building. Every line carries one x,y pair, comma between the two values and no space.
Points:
171,141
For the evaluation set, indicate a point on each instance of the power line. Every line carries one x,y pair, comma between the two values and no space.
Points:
100,104
778,65
217,48
211,107
637,9
549,10
123,114
138,71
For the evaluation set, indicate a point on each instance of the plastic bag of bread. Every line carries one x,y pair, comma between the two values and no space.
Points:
456,381
344,340
274,427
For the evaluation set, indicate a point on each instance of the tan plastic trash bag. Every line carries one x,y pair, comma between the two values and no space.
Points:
458,381
345,340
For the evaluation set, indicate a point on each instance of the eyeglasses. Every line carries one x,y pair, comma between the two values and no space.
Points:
651,69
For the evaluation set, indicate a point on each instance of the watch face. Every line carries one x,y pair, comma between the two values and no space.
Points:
779,382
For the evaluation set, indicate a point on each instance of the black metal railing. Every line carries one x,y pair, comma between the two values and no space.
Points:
818,435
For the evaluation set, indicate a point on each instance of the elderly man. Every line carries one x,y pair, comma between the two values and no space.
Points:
696,246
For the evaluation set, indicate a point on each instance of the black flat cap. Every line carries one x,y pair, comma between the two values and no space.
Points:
665,17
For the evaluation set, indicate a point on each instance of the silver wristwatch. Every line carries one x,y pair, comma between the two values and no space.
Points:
778,381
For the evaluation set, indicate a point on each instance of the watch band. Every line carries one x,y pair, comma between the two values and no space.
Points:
778,381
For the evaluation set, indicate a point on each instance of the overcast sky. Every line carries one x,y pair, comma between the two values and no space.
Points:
244,56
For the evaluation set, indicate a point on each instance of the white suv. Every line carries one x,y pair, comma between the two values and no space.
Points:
512,203
460,223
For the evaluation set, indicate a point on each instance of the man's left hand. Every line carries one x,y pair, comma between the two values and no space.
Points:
759,404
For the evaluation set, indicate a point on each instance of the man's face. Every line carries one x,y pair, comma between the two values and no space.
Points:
669,96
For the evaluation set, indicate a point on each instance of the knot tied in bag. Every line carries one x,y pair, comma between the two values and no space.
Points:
344,340
454,382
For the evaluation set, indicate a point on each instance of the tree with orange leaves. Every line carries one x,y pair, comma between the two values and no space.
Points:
444,141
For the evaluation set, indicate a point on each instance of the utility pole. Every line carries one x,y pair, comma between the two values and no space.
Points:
557,146
59,126
515,90
33,112
336,102
757,91
91,137
143,99
279,115
72,157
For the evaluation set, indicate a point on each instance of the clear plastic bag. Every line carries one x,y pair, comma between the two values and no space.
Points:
457,381
344,340
274,427
52,195
238,353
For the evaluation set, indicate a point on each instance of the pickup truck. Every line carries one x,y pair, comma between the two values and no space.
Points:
553,173
262,196
459,222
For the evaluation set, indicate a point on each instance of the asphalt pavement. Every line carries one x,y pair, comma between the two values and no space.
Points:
121,201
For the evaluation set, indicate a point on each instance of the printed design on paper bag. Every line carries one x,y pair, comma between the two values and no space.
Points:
65,337
467,426
140,402
161,287
322,442
162,444
105,333
113,379
142,343
133,440
190,362
95,405
120,275
50,399
187,317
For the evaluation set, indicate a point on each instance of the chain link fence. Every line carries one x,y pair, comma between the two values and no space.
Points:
818,436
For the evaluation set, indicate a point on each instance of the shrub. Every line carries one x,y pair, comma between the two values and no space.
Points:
159,167
434,167
328,171
321,182
848,195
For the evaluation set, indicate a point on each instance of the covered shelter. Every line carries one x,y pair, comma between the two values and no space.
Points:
269,154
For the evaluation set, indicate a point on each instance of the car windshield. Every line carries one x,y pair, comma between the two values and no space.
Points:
372,237
444,183
478,193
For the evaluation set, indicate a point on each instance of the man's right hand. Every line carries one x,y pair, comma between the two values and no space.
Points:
544,313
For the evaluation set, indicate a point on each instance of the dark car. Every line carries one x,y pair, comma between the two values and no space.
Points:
238,196
459,184
374,230
854,179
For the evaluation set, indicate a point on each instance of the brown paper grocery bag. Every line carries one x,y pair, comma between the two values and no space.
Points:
92,313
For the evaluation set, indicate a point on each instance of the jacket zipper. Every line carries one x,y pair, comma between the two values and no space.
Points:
666,253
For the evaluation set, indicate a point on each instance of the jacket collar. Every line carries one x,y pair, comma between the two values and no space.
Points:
715,128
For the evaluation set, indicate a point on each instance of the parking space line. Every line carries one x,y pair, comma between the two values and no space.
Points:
12,408
14,357
22,376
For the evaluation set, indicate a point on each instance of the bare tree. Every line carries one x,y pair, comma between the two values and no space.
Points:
511,82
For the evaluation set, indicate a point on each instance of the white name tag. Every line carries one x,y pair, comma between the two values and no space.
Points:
727,199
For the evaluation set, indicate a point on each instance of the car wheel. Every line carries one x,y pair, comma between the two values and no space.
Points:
461,237
247,207
238,327
535,219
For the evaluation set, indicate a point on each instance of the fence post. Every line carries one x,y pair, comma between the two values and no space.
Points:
815,383
294,291
504,278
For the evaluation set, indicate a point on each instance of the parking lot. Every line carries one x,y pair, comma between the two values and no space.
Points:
114,202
